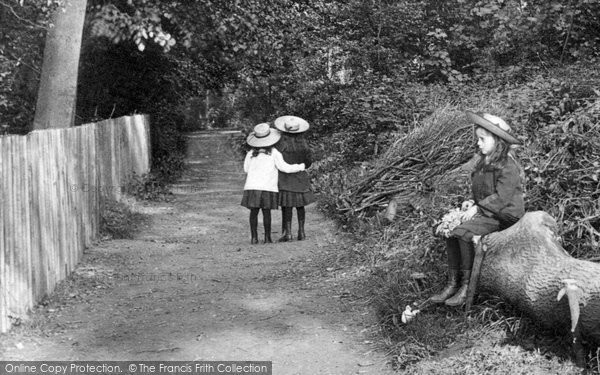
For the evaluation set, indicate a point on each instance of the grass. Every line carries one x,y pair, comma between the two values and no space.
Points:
493,338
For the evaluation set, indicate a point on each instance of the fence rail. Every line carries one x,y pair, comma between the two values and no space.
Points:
52,183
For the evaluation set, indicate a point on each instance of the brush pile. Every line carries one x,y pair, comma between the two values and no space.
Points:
426,170
411,167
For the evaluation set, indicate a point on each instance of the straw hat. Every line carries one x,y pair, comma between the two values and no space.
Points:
291,124
493,124
263,136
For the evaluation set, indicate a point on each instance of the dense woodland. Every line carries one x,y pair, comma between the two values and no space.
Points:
375,79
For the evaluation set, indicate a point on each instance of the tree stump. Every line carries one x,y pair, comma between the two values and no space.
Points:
526,266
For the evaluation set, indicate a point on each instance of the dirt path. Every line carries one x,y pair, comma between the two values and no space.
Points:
191,287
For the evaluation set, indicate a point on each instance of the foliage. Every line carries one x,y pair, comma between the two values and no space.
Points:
562,161
151,186
119,80
539,29
118,220
22,28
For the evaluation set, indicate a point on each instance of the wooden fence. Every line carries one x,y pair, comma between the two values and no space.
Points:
52,183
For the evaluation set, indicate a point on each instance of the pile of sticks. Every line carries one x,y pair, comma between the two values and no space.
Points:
413,163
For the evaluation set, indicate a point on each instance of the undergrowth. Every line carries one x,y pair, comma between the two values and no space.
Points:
559,119
151,186
118,220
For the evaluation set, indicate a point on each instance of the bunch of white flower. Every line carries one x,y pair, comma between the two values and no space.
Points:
449,221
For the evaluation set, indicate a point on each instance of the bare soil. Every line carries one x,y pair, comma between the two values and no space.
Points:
190,286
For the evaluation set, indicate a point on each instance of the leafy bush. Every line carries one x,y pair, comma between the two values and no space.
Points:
150,186
118,220
118,80
168,146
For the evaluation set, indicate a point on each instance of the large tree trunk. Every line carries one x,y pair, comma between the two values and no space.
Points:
58,84
526,265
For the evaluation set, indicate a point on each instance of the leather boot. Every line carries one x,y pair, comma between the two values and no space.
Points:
301,234
287,232
268,237
461,296
449,290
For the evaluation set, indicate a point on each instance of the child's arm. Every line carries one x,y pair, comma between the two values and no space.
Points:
308,158
247,161
507,184
283,166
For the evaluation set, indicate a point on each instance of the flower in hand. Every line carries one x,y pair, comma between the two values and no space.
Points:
469,213
455,217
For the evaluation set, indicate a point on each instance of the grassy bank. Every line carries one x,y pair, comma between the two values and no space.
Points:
557,115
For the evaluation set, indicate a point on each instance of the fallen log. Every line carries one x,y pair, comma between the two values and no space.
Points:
527,266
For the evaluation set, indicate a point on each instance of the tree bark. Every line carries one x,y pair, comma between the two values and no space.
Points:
526,266
57,93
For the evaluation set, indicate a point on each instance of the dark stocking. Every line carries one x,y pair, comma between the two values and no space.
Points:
467,254
301,213
254,225
453,252
267,224
301,216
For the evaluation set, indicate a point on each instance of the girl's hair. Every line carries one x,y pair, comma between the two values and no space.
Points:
501,153
292,142
256,150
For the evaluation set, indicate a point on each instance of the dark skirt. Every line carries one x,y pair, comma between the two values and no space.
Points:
295,199
260,199
478,226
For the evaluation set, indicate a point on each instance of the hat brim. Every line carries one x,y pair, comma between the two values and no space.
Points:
273,137
281,121
478,120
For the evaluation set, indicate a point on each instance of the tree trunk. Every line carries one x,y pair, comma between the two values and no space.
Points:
58,83
526,266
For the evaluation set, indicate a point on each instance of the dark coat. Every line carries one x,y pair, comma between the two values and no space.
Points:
297,182
498,191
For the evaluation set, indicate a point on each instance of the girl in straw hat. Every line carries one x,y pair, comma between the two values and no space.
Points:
262,165
294,188
497,187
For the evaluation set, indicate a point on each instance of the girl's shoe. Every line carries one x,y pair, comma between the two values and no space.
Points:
254,234
301,234
268,238
449,290
461,296
286,235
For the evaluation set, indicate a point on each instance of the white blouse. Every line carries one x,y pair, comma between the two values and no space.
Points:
262,170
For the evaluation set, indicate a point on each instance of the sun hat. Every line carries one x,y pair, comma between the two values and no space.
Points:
291,124
493,124
263,136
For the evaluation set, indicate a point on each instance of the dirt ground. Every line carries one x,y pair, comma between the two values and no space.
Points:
190,286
